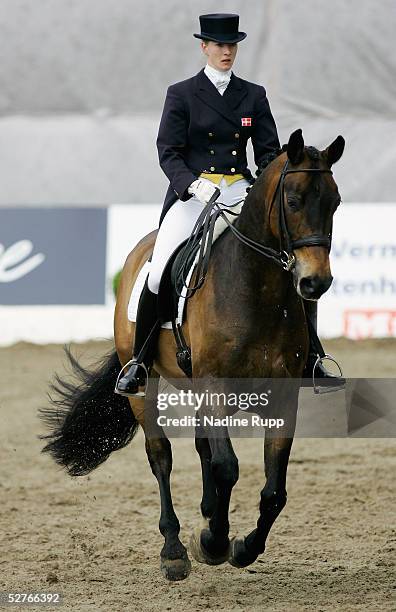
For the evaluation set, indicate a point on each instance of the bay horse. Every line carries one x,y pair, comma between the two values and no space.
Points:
235,318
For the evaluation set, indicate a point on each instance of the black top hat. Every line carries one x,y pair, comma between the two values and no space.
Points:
220,27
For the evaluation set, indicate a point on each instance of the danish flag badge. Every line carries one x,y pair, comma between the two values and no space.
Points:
246,122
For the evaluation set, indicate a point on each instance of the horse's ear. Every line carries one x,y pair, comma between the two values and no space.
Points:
335,150
295,147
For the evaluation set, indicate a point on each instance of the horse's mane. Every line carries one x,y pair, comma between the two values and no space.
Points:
312,153
269,157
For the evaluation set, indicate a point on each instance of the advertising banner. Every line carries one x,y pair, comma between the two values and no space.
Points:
52,256
361,302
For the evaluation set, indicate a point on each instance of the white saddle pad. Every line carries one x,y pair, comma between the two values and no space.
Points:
137,289
220,226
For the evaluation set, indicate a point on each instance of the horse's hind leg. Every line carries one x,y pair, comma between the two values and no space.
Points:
209,494
175,564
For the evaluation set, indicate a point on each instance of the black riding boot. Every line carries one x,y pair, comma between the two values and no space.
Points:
147,330
322,376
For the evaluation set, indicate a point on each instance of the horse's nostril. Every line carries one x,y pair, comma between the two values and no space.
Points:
307,285
314,286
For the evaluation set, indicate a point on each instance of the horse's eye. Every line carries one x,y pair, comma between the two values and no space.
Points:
293,202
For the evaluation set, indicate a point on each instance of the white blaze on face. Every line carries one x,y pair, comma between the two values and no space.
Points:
13,262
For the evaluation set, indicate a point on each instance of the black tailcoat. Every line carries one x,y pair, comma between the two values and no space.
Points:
204,131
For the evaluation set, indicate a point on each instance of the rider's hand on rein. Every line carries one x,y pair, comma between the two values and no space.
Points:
204,190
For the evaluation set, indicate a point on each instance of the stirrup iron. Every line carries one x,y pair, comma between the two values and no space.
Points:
139,393
319,389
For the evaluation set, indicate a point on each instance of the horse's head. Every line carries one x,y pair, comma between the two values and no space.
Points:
307,198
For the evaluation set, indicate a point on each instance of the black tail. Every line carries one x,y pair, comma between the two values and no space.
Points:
88,421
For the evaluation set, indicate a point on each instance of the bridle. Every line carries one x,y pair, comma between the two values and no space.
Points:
286,243
204,228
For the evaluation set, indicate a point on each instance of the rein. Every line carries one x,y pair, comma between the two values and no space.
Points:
204,228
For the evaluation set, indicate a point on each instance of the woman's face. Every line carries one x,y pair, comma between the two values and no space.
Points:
220,55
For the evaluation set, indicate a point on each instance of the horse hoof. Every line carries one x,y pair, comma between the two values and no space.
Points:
175,569
239,554
201,555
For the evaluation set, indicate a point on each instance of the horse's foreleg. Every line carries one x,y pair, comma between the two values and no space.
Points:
272,500
211,545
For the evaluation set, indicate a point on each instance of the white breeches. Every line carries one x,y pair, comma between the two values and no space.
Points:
179,221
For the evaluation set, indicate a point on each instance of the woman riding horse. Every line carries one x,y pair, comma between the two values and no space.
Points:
206,123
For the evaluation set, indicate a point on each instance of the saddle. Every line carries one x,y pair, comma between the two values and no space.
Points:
170,290
171,284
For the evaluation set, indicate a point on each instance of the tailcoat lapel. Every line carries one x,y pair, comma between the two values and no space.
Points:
225,105
235,92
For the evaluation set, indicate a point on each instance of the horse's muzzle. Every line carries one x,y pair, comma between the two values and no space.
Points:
312,287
